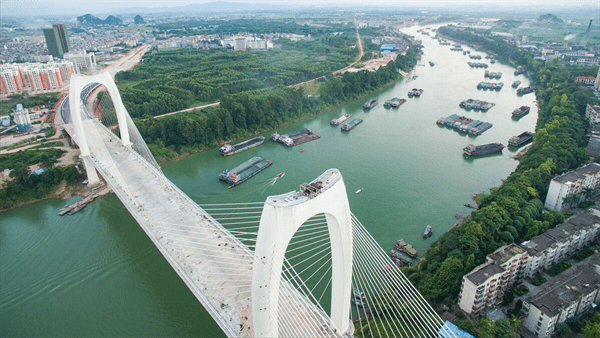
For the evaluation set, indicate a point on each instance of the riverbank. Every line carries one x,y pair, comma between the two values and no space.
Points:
179,156
63,192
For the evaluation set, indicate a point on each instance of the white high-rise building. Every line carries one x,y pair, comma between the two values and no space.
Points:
82,59
573,183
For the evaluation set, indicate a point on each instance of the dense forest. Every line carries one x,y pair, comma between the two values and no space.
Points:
250,112
513,211
172,80
256,27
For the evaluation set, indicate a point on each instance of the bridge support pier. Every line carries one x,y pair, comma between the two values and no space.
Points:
92,175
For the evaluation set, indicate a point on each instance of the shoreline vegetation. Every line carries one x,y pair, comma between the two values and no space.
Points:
512,212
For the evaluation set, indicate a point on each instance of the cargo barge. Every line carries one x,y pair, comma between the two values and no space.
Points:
336,122
525,90
351,125
397,102
244,171
476,105
519,140
415,92
520,111
477,64
465,125
493,75
402,246
370,104
228,149
394,103
490,85
295,138
400,259
516,84
490,148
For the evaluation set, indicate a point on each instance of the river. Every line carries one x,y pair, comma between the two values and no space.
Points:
97,273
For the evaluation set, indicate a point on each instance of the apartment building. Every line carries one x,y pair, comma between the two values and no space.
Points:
592,113
484,287
567,295
571,184
43,78
11,81
82,59
561,242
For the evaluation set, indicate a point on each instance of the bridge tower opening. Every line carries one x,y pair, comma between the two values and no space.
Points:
282,217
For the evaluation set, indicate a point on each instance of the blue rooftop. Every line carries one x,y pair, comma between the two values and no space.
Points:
449,330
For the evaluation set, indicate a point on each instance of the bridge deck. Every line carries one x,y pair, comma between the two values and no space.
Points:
214,264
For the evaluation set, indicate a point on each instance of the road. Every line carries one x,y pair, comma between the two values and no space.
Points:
361,52
128,61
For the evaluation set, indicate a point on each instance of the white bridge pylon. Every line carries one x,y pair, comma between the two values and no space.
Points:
282,216
78,82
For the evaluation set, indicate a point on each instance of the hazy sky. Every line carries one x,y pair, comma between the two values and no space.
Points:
58,7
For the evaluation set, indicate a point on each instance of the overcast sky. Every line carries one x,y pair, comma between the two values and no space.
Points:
58,7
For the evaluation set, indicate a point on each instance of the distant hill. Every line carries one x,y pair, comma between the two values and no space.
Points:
138,20
209,7
90,20
549,18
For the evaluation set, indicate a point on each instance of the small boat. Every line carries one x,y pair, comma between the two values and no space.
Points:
301,150
470,206
280,175
428,231
231,186
358,191
358,297
431,63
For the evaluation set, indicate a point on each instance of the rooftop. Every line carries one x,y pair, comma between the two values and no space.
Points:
503,254
559,234
563,290
480,276
577,174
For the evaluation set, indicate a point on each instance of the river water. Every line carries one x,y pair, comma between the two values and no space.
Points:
97,273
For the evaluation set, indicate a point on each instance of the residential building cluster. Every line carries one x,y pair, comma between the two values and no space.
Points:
572,185
35,77
560,299
565,296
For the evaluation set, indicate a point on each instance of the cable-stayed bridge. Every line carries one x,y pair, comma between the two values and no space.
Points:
292,266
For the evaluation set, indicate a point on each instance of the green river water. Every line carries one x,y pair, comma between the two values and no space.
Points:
97,273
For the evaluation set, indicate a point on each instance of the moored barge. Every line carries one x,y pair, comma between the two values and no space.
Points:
415,92
339,120
370,104
295,138
519,140
520,111
402,246
525,90
484,149
351,125
228,149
